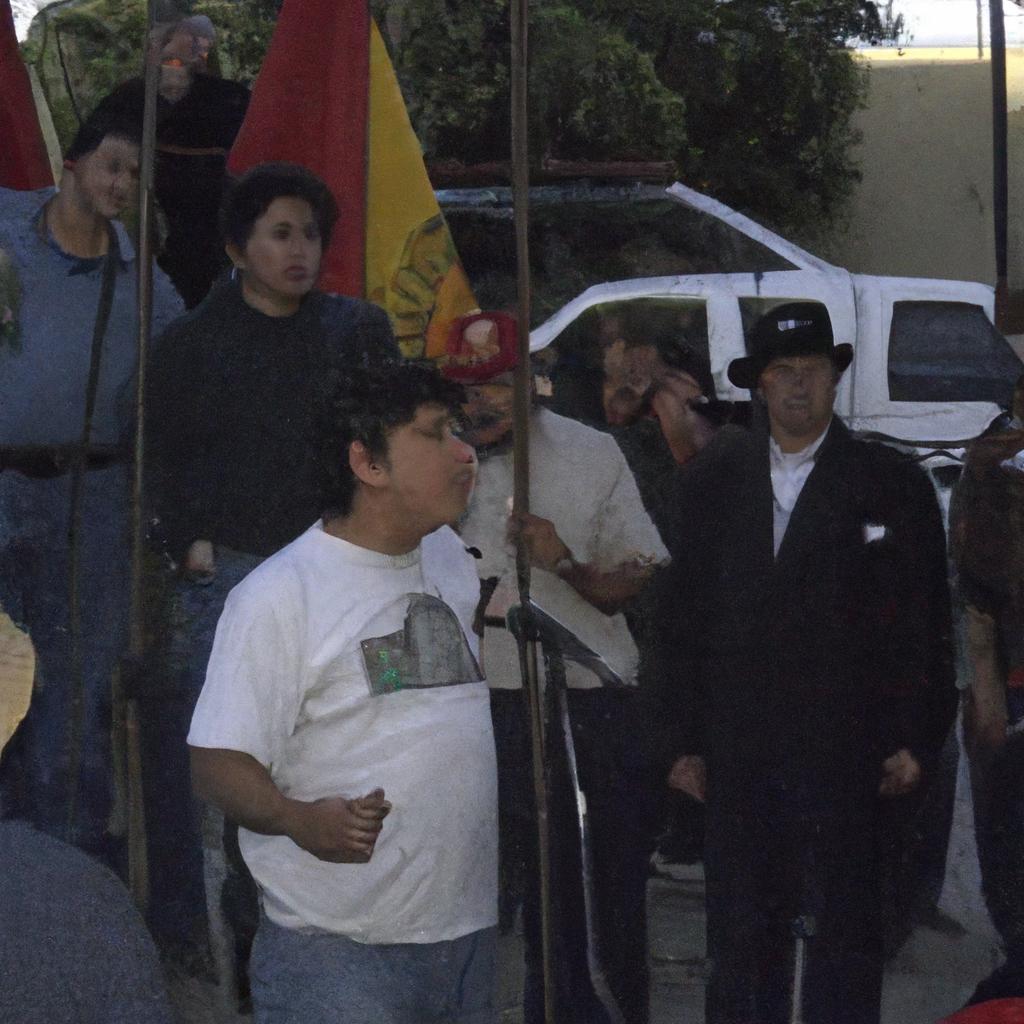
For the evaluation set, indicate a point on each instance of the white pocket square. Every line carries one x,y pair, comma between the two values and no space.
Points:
874,532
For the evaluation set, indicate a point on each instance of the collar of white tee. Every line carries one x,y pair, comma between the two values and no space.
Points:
354,554
790,470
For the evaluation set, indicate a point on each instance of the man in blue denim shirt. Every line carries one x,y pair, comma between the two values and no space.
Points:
62,244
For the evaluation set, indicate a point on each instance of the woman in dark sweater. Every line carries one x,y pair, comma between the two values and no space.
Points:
233,385
232,391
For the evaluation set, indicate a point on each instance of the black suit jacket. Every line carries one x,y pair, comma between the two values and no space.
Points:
828,657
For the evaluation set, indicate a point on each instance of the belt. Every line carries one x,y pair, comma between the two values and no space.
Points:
45,460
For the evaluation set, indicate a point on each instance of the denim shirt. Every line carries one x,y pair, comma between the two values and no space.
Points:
44,372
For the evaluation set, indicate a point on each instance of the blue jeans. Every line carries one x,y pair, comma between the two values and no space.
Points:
301,977
196,609
35,565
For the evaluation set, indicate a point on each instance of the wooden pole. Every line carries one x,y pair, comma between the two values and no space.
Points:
521,482
138,860
1000,171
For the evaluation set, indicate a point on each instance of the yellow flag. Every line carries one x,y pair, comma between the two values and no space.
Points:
412,268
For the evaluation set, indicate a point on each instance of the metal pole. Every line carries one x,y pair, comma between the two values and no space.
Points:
519,12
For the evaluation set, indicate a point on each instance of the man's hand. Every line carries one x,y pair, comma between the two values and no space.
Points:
690,775
672,403
543,545
901,774
608,591
338,830
199,561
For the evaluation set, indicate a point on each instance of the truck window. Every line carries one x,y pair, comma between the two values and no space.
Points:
753,307
582,236
948,352
614,348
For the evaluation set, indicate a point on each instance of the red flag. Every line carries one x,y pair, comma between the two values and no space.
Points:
23,160
309,106
996,1011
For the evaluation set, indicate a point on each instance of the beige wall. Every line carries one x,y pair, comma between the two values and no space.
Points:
924,207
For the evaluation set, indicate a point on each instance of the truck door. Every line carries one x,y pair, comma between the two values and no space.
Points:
812,280
708,313
832,288
604,339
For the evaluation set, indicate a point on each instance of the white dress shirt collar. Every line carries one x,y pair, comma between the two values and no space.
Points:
790,470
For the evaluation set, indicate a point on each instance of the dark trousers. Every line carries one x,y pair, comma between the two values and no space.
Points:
618,783
776,850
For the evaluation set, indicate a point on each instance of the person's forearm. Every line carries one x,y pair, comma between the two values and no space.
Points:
608,592
334,829
242,788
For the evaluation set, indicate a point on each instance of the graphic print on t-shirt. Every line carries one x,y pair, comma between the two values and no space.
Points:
430,650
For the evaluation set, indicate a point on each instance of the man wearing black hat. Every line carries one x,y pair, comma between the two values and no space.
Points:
810,582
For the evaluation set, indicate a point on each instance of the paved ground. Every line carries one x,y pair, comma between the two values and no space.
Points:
931,975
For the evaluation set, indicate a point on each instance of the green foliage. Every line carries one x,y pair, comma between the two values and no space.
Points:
592,92
594,95
753,100
771,92
244,28
81,50
453,62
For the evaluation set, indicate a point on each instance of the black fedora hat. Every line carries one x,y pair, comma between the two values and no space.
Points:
792,329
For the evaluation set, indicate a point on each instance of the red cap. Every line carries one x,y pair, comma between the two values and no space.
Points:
480,347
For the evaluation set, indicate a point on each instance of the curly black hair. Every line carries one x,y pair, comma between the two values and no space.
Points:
250,196
365,406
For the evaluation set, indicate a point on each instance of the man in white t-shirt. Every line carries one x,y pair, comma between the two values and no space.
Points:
593,548
344,724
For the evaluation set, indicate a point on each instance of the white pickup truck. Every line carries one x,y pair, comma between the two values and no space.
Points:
930,371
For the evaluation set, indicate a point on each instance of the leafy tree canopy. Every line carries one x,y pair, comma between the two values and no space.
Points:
754,101
82,49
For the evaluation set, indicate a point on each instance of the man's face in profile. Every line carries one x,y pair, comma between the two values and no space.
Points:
489,414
